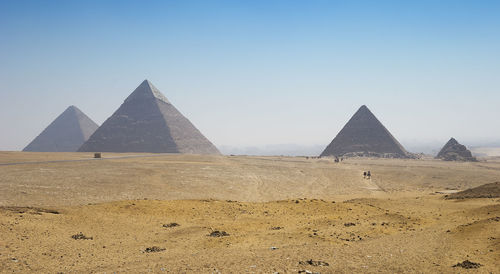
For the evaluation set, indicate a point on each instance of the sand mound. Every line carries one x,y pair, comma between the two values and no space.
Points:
484,191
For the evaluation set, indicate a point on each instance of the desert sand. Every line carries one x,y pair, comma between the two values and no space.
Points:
69,213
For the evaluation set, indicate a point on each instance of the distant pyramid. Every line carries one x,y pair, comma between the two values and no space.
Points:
148,122
66,133
364,135
454,151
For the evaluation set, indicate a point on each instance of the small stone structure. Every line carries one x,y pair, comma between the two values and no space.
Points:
454,151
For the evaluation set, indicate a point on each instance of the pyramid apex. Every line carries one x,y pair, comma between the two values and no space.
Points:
363,108
146,90
72,109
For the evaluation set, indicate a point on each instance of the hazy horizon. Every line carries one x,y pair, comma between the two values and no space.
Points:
259,73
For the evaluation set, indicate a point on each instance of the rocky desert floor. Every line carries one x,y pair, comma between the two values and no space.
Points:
129,213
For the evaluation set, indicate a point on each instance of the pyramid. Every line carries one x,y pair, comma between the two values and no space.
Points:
364,135
66,133
454,151
148,122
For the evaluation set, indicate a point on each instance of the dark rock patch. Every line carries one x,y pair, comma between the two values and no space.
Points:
314,263
81,236
171,225
467,265
154,249
217,233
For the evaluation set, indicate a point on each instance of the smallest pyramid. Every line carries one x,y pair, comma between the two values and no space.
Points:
65,134
454,151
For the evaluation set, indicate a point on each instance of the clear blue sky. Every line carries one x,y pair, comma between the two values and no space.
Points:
257,72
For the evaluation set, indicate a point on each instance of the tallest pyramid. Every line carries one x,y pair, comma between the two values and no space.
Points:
148,122
364,135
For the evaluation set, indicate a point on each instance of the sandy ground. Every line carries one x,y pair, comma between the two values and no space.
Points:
279,213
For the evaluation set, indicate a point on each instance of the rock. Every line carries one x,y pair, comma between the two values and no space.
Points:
171,225
154,249
80,236
467,265
314,263
217,233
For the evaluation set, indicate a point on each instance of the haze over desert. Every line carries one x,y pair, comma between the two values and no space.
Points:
262,136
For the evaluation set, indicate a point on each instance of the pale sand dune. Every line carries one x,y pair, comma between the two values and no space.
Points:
392,223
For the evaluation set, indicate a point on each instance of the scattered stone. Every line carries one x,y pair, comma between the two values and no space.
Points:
217,233
467,265
276,228
154,249
314,263
81,236
171,225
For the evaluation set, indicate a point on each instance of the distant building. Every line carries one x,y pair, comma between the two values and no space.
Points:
65,134
454,151
365,136
148,122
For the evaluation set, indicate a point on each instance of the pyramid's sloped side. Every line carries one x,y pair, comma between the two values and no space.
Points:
364,135
137,126
447,147
65,134
186,136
